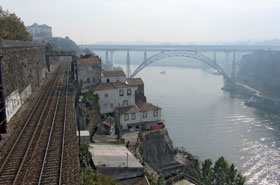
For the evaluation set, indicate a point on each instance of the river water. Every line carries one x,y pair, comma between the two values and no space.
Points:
210,123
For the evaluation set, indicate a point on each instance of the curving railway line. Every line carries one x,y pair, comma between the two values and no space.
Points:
37,155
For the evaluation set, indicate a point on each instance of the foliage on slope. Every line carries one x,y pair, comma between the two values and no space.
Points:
261,70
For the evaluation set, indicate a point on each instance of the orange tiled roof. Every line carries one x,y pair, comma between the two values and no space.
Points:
105,73
134,81
89,60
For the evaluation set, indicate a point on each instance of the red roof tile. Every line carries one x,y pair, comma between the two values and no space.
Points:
105,73
89,60
134,81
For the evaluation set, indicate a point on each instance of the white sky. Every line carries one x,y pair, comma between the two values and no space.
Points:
153,20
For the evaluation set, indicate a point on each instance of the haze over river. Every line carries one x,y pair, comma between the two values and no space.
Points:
209,122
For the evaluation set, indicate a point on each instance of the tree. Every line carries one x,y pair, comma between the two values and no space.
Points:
12,28
220,174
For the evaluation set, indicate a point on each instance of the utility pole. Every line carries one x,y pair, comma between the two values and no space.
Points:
126,164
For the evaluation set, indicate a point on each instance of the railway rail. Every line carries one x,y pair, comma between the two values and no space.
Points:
36,157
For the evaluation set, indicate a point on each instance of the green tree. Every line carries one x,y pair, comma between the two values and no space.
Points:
221,173
207,171
12,28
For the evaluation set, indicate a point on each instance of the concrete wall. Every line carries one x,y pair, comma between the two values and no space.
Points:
121,172
109,100
139,118
24,95
22,66
13,104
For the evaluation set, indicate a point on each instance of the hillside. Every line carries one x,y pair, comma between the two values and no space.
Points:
261,70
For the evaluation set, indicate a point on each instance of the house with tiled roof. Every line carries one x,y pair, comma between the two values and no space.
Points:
112,76
89,71
113,95
142,116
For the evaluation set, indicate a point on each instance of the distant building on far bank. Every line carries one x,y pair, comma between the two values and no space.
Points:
40,30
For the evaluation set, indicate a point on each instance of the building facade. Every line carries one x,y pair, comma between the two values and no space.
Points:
89,71
139,94
140,116
40,30
114,95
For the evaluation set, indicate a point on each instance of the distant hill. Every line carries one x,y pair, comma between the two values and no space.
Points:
261,70
65,44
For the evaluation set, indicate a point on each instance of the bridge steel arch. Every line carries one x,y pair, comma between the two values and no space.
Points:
180,53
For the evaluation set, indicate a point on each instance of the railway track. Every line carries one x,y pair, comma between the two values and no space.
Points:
37,155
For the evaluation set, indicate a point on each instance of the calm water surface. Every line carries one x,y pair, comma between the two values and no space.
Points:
210,123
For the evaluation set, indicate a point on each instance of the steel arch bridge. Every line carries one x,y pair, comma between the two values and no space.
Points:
180,53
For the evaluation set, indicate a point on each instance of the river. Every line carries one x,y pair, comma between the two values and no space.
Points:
210,123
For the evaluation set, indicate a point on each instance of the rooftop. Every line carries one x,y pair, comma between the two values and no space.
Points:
129,109
134,81
109,121
37,25
143,106
140,107
105,73
89,60
104,155
109,86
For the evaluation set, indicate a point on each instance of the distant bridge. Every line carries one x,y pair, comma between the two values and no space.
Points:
180,53
189,51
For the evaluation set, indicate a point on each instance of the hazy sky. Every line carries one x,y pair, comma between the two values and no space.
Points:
153,20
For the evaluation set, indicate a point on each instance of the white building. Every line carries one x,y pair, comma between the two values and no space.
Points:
112,76
40,30
135,117
89,71
114,95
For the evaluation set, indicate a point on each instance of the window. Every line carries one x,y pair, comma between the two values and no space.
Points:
108,80
132,116
121,92
125,103
128,91
112,105
88,80
155,113
145,114
129,127
106,95
93,79
126,117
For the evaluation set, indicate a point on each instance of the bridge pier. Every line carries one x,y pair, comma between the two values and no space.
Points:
145,55
214,56
233,71
112,59
227,63
107,58
128,70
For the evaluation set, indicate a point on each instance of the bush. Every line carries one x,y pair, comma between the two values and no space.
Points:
90,99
